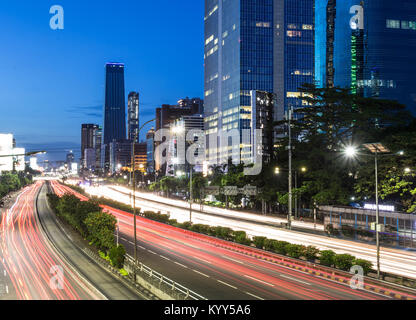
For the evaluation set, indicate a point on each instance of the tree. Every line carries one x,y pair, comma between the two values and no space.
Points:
101,228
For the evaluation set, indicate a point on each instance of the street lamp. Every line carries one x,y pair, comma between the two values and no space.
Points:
134,191
301,169
376,149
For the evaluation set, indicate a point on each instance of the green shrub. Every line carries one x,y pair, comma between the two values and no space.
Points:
117,256
280,247
294,250
344,261
173,222
366,265
224,233
310,253
327,258
186,225
241,237
269,244
259,242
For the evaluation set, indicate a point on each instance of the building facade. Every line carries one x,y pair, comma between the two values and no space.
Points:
133,116
89,134
262,45
114,107
368,47
150,141
186,131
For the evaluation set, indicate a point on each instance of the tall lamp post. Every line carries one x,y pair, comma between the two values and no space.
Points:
376,149
290,170
134,191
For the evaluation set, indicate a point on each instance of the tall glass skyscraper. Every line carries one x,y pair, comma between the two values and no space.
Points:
263,45
133,116
114,109
368,46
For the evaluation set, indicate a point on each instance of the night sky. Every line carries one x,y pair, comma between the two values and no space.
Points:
52,81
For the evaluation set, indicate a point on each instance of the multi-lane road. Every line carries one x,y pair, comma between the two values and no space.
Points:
38,261
216,272
31,267
393,260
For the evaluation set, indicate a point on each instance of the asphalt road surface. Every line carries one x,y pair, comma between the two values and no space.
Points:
218,273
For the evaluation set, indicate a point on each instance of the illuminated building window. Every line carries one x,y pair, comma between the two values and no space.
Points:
307,27
393,24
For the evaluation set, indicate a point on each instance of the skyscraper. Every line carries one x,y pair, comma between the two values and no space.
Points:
264,45
87,139
368,47
133,116
114,108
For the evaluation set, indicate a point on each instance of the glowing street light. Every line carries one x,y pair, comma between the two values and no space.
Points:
350,151
407,170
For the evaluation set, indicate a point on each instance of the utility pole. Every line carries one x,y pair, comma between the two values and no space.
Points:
377,216
134,193
289,216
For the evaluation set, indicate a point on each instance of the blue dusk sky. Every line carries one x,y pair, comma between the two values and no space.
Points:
52,81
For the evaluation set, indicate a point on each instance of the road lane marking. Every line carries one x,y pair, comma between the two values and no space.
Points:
164,257
255,279
227,284
152,252
253,295
240,262
206,261
202,274
180,264
294,279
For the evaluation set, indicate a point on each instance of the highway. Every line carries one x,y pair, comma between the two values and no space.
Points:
34,249
219,273
397,261
30,266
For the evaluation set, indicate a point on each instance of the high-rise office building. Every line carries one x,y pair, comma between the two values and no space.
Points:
97,146
150,140
114,108
186,130
167,114
264,45
133,116
70,158
368,47
87,139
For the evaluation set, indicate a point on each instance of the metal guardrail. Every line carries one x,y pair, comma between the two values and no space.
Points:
169,284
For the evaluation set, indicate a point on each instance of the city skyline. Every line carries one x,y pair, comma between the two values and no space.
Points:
86,44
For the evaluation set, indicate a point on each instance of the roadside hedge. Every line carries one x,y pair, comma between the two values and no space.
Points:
91,222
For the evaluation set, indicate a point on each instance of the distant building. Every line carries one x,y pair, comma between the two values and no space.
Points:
87,139
90,159
140,157
97,146
6,148
70,158
167,114
133,116
265,45
187,131
114,108
150,140
368,47
263,106
119,155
